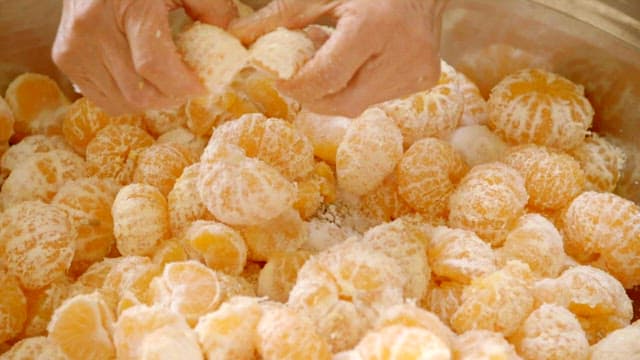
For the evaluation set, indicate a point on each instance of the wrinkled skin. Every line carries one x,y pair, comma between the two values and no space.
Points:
381,49
121,55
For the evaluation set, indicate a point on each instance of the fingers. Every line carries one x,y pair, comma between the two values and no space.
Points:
214,12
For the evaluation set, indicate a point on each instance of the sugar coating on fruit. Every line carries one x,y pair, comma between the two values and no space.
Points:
193,143
286,232
601,161
35,348
535,241
140,219
384,203
477,144
499,301
325,132
476,111
160,121
281,52
38,242
279,274
398,342
184,203
483,345
215,55
602,229
488,201
28,146
537,106
171,343
432,113
323,234
221,247
620,344
40,177
443,299
129,277
161,164
368,153
410,315
596,298
240,190
459,255
551,332
552,178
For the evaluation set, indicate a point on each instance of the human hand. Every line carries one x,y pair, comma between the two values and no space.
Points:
380,50
121,55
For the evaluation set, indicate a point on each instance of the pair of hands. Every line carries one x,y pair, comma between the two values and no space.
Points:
121,55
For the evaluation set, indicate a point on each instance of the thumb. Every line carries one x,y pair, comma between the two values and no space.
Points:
279,13
214,12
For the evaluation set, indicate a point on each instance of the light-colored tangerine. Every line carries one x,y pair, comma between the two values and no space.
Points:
140,219
13,307
171,343
111,153
603,229
159,122
27,147
618,345
233,286
38,242
411,315
314,190
188,288
601,161
129,277
483,345
169,251
325,133
34,348
551,332
287,232
88,202
552,178
185,205
81,326
596,298
536,106
432,113
37,103
230,331
476,111
161,164
239,190
499,301
284,334
6,122
279,274
137,322
459,255
95,275
407,245
399,342
428,173
193,143
488,200
259,88
443,299
220,247
368,153
281,52
535,241
41,176
477,144
384,203
42,303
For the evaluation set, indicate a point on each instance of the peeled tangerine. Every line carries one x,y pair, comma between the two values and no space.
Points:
536,106
428,173
35,348
483,345
314,190
279,274
601,161
476,111
552,178
128,278
488,200
13,307
161,164
368,153
384,203
477,144
185,205
193,143
551,332
281,52
621,344
596,298
399,342
412,316
499,301
28,146
432,113
221,247
325,132
170,343
603,229
287,232
37,242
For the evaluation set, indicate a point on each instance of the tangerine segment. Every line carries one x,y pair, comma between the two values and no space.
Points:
314,190
185,205
384,203
601,161
38,241
242,191
6,121
287,232
88,202
618,345
140,219
596,298
191,142
281,52
483,345
443,299
603,229
158,122
259,88
205,113
284,334
499,301
188,288
428,174
129,278
368,153
34,348
161,164
171,343
412,316
476,111
221,247
551,332
41,176
81,326
279,274
477,144
325,133
230,331
36,102
13,307
552,178
111,153
536,106
169,251
488,201
398,342
432,113
27,147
